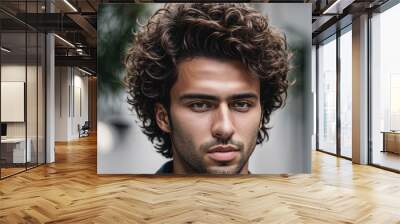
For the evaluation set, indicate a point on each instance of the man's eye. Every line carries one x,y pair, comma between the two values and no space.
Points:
241,106
200,106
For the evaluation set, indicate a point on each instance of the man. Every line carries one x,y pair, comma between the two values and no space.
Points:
204,80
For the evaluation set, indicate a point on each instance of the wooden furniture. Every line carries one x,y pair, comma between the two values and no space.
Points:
391,141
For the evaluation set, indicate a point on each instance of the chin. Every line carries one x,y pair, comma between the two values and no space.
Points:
234,169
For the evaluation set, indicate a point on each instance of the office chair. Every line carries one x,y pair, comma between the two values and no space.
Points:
84,130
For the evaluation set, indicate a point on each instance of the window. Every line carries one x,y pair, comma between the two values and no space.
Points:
346,92
327,96
385,89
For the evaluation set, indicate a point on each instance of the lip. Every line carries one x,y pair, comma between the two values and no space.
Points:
223,153
221,148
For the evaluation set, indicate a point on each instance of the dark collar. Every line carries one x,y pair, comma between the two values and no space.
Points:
168,168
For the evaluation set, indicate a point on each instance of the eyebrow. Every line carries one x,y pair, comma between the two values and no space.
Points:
240,96
203,96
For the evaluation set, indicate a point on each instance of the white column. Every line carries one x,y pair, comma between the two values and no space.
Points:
50,93
50,100
360,90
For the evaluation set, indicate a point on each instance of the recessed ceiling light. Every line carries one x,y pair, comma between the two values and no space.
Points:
337,7
84,71
70,5
65,41
5,50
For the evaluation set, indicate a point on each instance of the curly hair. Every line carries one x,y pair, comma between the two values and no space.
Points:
230,31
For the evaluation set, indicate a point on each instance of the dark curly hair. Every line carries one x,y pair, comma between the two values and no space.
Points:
231,31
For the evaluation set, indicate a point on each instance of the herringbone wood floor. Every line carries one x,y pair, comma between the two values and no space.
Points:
70,191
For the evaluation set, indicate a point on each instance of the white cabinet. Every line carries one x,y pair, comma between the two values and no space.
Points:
18,149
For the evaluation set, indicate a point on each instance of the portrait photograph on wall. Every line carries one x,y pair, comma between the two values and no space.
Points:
211,88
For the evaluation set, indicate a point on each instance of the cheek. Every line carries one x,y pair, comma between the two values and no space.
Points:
247,125
192,125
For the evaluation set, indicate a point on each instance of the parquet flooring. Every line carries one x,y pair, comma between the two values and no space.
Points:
387,159
70,191
10,171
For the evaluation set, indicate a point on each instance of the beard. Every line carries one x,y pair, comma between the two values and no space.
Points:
193,159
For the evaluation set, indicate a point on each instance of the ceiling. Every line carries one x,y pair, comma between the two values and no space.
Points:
76,22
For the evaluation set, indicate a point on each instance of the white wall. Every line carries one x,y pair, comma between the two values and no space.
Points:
17,73
33,125
11,73
70,84
12,101
81,104
61,103
14,73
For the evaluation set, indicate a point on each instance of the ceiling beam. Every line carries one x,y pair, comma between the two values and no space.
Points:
90,31
85,61
337,7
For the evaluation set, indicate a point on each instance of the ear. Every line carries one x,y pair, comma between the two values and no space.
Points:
162,118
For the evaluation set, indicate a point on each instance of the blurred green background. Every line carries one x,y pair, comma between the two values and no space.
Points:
116,25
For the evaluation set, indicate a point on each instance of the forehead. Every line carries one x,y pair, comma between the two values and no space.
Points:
214,76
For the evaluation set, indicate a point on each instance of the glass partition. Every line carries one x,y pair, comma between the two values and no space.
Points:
34,49
13,104
327,96
41,91
31,99
22,99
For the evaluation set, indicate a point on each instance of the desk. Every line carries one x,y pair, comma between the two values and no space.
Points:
16,147
391,141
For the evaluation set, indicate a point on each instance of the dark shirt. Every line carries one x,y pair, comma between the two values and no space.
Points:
167,168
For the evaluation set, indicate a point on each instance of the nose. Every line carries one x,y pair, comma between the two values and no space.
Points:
222,127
